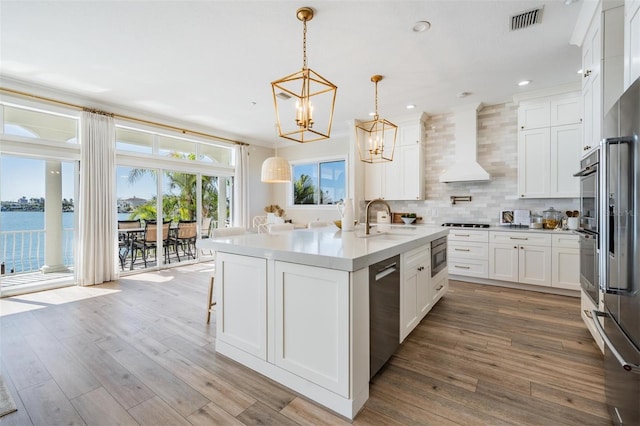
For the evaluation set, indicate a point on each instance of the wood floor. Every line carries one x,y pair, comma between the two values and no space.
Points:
139,352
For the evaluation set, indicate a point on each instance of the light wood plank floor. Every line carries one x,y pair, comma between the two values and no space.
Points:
138,351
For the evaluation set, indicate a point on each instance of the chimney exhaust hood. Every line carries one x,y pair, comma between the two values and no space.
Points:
465,167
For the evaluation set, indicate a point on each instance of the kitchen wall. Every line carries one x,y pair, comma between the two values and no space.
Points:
497,153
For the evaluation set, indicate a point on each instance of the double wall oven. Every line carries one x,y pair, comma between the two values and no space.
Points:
589,229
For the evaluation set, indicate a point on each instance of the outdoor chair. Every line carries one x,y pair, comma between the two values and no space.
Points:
185,237
125,238
217,233
150,242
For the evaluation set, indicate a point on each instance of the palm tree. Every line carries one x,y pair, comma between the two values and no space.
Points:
180,203
304,191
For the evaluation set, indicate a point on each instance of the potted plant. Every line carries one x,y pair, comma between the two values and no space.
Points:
408,218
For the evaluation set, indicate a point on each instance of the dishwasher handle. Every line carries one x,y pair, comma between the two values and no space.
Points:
387,270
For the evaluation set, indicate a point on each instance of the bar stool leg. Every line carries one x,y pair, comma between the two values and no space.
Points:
210,303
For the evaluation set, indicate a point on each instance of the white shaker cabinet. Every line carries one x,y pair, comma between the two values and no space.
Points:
468,253
241,290
631,41
402,178
415,298
549,147
520,257
565,254
603,73
312,324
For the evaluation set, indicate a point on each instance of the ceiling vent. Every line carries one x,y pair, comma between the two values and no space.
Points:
526,19
283,96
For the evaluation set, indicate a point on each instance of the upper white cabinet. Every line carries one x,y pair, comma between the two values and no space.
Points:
631,41
402,178
549,147
602,65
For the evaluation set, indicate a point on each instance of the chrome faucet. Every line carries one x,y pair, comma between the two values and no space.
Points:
367,227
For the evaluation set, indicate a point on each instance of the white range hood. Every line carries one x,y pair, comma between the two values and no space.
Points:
465,167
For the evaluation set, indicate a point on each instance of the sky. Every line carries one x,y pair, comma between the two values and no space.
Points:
25,177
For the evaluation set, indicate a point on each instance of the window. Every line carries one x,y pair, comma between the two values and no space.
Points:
318,183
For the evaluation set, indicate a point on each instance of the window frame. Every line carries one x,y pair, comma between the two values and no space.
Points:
317,161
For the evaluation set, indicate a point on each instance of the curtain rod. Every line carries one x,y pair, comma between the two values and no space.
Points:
124,117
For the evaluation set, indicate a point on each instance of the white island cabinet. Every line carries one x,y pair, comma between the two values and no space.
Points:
295,306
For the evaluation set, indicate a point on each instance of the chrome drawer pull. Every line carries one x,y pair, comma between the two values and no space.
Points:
519,238
459,249
439,288
461,235
462,267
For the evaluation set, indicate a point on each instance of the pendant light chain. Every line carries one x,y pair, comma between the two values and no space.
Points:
376,114
304,44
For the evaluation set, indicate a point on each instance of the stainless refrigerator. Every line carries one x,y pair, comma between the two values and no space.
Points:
620,257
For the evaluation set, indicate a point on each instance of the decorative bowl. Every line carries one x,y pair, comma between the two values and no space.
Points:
408,220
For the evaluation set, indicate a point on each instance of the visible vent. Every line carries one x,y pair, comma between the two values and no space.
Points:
526,19
283,96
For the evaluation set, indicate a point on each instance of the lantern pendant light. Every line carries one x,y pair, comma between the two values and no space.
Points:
304,101
275,169
376,138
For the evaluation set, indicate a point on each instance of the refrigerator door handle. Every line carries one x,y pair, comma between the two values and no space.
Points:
626,365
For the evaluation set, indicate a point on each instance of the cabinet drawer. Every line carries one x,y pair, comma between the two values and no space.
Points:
464,250
529,238
469,268
565,240
417,257
468,235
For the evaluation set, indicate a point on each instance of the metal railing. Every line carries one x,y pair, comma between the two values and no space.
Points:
23,251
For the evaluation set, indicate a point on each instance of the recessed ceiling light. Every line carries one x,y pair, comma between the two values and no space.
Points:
580,71
524,82
372,114
421,26
411,106
463,94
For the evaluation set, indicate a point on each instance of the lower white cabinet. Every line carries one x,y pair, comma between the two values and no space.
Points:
415,295
439,286
565,258
468,253
241,291
312,324
520,257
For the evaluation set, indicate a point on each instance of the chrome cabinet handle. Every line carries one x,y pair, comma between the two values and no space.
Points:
439,288
459,249
461,235
461,267
519,238
626,365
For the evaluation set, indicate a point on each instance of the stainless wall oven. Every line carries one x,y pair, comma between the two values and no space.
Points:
589,230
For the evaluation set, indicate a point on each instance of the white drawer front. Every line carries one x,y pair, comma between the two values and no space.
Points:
530,238
463,250
469,268
565,240
468,235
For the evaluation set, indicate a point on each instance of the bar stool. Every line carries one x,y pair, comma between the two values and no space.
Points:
217,233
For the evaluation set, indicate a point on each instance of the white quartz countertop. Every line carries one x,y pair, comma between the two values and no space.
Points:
329,247
513,229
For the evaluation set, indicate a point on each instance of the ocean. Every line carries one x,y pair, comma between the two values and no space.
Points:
24,251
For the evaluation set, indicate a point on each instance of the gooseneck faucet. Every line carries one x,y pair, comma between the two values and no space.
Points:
367,227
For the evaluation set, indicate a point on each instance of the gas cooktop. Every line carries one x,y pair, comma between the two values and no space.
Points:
466,225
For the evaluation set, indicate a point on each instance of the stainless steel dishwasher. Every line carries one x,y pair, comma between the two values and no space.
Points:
384,312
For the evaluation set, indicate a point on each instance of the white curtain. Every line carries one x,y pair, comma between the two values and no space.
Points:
97,239
241,187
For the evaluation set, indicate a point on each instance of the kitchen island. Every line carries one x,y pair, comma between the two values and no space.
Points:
294,306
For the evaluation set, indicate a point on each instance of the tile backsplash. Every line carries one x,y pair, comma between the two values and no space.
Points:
497,153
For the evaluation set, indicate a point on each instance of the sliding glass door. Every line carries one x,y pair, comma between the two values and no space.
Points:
37,223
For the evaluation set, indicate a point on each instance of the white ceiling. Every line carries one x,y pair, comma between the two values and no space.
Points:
210,63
